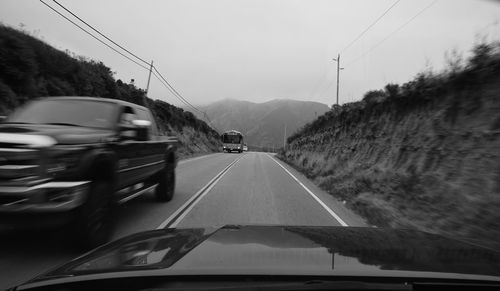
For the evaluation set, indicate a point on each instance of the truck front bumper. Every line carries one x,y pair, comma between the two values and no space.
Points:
49,197
230,148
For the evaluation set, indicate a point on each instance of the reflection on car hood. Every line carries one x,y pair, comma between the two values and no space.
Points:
61,133
285,250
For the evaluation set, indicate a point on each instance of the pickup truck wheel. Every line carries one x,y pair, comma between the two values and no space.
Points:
93,223
166,184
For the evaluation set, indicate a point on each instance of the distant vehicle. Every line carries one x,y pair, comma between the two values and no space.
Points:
245,148
232,140
71,159
279,258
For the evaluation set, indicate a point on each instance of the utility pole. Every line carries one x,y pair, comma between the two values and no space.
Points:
338,73
149,77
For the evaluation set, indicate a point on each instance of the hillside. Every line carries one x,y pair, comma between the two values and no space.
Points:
422,155
263,124
30,68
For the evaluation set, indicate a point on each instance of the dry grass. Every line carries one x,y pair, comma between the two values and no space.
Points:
464,207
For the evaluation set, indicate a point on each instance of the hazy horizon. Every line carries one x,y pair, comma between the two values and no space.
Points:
255,102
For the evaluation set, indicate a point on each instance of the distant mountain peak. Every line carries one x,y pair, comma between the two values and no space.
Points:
263,123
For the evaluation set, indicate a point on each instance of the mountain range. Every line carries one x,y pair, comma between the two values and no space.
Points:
262,124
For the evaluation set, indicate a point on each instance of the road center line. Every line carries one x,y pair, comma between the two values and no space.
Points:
174,219
311,193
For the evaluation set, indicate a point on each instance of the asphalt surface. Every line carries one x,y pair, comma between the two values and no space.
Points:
212,190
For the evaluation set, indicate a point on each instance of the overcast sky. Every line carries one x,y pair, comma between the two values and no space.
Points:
258,50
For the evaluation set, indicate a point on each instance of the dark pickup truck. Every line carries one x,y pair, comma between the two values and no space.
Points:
70,160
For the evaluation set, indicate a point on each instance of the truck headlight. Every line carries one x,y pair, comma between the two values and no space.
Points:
54,168
62,162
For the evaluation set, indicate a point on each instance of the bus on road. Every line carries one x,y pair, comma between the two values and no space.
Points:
232,140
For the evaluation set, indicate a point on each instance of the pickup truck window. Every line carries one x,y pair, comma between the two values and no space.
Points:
142,114
127,116
145,115
66,112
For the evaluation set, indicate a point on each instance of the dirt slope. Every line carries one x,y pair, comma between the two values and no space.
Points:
422,155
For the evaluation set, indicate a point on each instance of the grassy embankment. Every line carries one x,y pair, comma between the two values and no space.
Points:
425,154
30,68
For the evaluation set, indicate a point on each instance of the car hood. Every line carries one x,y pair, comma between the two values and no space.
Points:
283,250
30,134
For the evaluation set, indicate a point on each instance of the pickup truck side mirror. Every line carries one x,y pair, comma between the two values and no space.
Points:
137,130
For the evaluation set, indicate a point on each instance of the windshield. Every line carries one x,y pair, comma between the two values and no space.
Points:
66,112
231,138
354,138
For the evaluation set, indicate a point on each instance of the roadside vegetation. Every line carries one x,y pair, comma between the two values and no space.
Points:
30,68
424,154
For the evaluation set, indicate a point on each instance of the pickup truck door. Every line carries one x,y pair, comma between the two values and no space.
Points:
138,160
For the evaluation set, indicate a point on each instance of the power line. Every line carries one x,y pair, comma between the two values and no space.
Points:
159,76
210,121
392,33
185,102
170,87
96,30
167,85
314,92
64,16
370,26
175,91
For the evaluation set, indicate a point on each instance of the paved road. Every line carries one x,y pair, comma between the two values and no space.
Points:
212,190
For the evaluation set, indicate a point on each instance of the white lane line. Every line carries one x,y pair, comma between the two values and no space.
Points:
174,219
311,193
176,222
137,194
194,159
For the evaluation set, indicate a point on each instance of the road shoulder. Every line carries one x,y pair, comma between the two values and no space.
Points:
337,206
